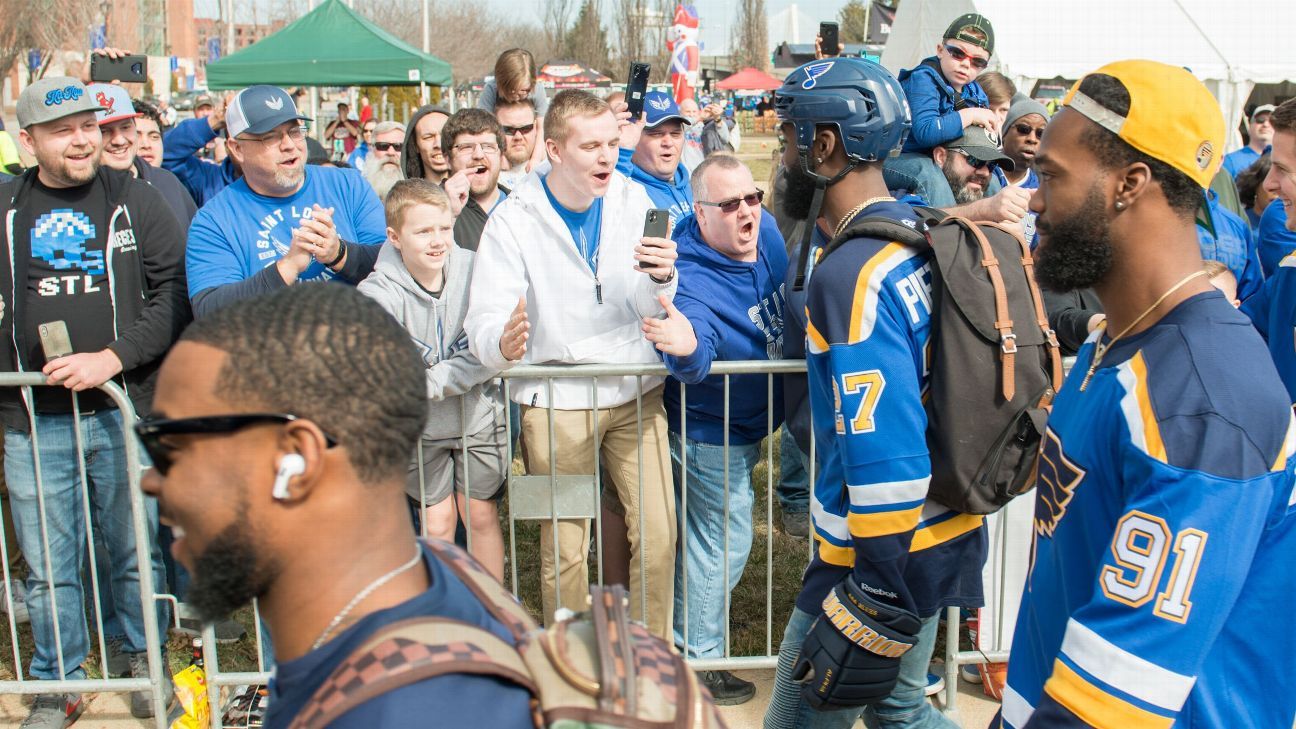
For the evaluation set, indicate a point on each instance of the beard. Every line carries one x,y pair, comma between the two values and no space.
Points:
382,174
288,179
516,156
964,192
798,195
228,575
1075,252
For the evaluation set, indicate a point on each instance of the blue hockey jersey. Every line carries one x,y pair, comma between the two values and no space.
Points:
868,310
1161,585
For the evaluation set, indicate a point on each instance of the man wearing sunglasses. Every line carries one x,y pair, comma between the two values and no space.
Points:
383,166
282,470
1023,130
519,125
357,157
473,141
968,165
283,221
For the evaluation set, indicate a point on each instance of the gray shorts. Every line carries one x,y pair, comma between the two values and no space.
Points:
444,466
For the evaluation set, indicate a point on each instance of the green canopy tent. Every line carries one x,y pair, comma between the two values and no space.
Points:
330,46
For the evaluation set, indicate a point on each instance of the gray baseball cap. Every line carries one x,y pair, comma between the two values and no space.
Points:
982,144
52,98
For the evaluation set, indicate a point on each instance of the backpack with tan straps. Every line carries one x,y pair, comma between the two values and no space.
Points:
596,669
995,364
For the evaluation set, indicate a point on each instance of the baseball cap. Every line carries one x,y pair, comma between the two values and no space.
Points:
259,109
660,107
115,104
1262,109
52,98
204,100
1172,116
1023,105
983,144
972,28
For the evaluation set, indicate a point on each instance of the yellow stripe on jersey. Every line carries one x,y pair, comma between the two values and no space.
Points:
1288,447
883,523
938,534
1136,405
834,555
1096,707
815,340
1288,260
869,283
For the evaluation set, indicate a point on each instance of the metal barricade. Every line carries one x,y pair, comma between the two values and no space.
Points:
141,528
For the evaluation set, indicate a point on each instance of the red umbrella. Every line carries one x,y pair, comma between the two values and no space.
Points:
750,79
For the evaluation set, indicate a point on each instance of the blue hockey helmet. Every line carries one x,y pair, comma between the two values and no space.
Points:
859,97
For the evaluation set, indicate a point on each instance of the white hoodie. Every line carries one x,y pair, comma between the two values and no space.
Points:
527,249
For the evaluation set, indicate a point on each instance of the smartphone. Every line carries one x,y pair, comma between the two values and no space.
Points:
828,41
55,340
132,69
657,223
636,87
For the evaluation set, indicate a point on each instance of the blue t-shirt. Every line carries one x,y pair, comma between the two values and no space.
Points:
583,226
1028,221
238,232
1237,161
455,699
1273,240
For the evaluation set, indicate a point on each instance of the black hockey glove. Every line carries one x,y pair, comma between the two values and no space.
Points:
851,656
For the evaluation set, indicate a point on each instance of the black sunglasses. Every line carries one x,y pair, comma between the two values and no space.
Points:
384,146
976,162
960,55
510,131
729,206
1027,130
152,430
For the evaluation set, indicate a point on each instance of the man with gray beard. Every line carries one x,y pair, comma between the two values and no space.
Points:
284,221
382,166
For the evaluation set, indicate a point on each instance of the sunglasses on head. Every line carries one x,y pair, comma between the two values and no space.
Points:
384,146
152,430
510,131
976,162
958,54
728,206
1027,130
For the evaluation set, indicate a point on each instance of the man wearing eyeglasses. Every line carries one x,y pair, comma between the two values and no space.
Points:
473,139
519,125
382,168
284,221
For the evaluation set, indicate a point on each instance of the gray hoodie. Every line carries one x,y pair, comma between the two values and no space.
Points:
462,394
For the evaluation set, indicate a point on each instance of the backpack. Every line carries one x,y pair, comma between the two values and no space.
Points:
995,364
596,669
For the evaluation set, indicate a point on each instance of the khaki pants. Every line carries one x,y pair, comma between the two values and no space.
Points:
652,550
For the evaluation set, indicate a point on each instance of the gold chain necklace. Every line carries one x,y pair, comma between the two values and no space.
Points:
845,221
1100,349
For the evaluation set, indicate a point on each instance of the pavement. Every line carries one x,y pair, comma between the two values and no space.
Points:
112,711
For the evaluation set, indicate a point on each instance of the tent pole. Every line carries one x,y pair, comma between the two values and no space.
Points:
314,96
427,44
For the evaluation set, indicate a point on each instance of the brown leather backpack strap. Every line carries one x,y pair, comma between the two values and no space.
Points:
501,603
405,653
1041,314
1003,318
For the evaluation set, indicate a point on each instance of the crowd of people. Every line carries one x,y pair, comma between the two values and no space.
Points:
281,421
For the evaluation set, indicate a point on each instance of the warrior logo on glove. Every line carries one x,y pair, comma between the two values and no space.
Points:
860,634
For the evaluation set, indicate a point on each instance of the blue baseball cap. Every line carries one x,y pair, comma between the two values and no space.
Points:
660,107
259,109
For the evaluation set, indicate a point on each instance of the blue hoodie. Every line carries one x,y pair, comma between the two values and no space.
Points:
932,105
1233,245
202,179
1273,311
675,196
1273,239
736,309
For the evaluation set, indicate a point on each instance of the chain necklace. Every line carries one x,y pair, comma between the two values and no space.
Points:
845,221
1100,349
366,592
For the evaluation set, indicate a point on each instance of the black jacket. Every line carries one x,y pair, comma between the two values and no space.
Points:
1069,313
151,307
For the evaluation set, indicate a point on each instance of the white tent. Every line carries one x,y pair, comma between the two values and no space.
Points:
1230,46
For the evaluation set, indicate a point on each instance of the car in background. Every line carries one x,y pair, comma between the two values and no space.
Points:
184,100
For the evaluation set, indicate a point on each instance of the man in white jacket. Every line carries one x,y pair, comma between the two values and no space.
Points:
562,261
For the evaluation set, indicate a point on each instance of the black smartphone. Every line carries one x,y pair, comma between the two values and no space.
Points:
636,87
828,41
55,340
657,223
131,69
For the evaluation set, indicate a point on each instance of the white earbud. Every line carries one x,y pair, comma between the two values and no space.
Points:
290,465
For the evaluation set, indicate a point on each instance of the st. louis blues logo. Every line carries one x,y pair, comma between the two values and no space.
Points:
813,72
660,104
1055,483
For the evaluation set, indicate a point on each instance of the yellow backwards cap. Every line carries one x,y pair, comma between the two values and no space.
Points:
1172,117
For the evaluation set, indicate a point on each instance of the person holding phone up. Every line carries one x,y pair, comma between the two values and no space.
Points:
563,276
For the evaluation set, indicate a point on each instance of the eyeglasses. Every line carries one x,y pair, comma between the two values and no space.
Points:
510,131
977,163
958,54
151,431
369,130
728,206
486,148
1027,130
296,134
384,146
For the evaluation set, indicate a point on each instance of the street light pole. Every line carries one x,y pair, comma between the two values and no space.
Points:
229,27
427,48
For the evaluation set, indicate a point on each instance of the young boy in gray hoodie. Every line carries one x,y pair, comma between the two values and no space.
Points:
421,278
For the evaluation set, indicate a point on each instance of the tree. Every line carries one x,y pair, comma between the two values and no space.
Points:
750,43
853,19
641,36
556,13
43,25
586,41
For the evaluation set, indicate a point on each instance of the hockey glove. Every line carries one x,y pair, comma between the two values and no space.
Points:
851,656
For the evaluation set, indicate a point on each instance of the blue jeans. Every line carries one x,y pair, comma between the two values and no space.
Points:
704,527
906,708
917,173
794,475
109,498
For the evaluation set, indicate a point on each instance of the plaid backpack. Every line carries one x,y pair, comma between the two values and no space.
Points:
596,669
